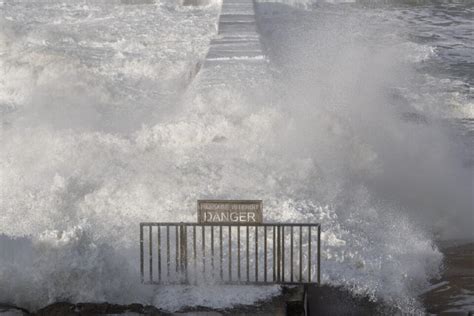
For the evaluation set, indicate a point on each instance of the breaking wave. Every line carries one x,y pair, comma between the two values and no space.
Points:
101,131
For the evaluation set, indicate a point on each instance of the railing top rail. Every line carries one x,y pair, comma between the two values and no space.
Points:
236,282
227,224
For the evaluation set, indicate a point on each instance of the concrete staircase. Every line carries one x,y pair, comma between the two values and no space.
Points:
235,55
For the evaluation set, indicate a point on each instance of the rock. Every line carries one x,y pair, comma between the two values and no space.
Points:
91,309
12,310
58,309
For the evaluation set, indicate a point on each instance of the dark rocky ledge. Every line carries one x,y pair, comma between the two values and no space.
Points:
84,309
324,300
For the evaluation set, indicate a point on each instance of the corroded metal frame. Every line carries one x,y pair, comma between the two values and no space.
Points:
186,236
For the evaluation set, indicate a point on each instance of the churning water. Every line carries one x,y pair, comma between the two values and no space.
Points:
364,127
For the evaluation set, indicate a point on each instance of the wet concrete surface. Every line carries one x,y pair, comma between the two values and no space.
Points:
327,300
453,293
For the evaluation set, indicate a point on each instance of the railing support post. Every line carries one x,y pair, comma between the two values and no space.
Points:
182,252
319,254
142,272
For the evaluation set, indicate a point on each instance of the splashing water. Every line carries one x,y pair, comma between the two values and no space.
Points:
99,133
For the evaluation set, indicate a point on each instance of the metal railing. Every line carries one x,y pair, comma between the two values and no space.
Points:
240,253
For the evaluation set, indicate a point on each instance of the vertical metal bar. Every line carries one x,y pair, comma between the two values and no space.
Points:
301,254
291,255
168,259
159,252
247,257
185,244
203,230
221,257
182,254
212,252
238,252
150,252
176,234
194,253
142,267
309,253
319,254
279,254
230,253
274,253
283,253
256,253
265,254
